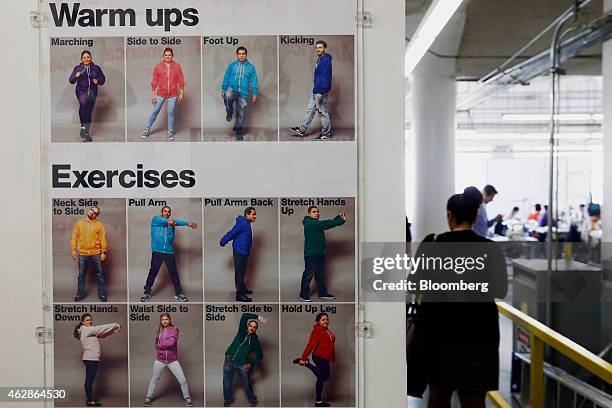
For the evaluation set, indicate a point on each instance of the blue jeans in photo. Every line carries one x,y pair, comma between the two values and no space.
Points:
159,102
83,262
229,369
240,267
230,97
315,106
321,370
91,369
314,265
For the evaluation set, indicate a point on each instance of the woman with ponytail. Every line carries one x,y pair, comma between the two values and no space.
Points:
457,334
322,346
166,345
89,336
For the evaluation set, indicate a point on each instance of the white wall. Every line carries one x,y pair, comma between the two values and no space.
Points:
383,191
522,182
20,215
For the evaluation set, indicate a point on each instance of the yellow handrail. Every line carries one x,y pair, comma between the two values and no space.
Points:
541,334
497,400
573,351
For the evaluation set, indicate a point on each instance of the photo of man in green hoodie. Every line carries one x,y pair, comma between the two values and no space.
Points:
314,251
243,353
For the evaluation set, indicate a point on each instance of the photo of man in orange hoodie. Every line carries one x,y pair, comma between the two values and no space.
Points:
88,245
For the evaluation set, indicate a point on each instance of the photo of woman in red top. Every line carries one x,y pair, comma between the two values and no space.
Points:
168,83
321,345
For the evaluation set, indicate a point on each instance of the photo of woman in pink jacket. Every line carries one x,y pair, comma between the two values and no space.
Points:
168,83
89,336
166,345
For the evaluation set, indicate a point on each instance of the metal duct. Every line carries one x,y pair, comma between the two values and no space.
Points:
595,32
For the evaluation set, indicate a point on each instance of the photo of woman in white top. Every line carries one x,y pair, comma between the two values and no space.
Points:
89,336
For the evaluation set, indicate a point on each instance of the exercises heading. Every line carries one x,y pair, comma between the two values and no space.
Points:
72,14
65,177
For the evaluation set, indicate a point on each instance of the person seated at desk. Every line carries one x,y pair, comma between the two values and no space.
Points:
513,216
535,216
591,228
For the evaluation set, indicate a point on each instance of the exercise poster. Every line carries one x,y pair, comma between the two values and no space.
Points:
201,178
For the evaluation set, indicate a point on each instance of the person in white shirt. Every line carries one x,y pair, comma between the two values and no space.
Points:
89,336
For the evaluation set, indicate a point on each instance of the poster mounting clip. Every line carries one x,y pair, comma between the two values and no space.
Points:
44,335
37,19
364,19
364,329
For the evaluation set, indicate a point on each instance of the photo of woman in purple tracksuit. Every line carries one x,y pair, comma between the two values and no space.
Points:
87,76
166,345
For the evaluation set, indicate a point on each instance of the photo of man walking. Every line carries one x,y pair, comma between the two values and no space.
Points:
319,97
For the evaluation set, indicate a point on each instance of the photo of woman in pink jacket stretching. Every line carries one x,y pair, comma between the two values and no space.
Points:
89,336
168,83
166,345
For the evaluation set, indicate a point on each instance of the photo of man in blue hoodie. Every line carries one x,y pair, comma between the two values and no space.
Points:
162,236
319,97
240,76
241,236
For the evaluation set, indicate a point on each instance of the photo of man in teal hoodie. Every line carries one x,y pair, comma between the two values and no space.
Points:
314,252
244,352
162,237
240,76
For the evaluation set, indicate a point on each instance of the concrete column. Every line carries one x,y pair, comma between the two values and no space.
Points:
433,130
382,194
433,102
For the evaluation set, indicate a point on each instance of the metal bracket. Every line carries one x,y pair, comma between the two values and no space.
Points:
364,329
37,19
44,335
363,19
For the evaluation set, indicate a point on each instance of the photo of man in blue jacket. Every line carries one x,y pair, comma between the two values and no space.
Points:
162,237
240,76
319,97
241,236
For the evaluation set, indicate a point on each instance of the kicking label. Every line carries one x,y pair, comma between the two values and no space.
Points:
297,39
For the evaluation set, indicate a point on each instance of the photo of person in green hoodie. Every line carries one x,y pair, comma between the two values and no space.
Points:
240,77
314,252
244,353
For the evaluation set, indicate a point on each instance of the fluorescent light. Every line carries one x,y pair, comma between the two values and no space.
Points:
438,14
544,117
